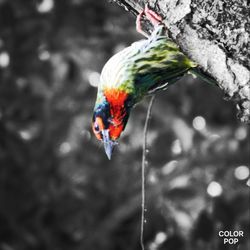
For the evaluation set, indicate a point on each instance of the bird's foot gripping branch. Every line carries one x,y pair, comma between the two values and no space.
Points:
152,16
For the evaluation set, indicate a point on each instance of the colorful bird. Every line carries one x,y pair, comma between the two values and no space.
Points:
143,68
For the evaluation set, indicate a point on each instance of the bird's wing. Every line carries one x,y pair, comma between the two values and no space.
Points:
160,64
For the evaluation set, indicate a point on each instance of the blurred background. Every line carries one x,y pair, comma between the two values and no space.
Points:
59,191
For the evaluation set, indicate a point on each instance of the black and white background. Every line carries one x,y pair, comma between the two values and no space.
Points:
58,190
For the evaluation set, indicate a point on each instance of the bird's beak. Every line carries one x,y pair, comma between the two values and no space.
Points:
108,143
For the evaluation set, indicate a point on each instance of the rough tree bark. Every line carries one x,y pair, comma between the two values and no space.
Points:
213,33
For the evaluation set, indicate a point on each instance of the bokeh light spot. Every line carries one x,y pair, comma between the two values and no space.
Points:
152,178
176,147
44,55
65,148
169,167
94,78
214,189
29,132
241,133
241,172
25,135
160,238
45,6
199,123
4,59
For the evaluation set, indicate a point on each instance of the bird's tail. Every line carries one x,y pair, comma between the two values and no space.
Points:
197,72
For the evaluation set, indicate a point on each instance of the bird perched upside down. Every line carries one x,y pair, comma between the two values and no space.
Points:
143,68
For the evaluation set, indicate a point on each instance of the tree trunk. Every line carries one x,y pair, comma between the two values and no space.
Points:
213,33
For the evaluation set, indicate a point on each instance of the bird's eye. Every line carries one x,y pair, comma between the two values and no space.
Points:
96,127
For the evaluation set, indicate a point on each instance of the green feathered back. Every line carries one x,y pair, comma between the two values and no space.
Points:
145,67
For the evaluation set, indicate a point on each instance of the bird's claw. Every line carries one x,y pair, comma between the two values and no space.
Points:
151,15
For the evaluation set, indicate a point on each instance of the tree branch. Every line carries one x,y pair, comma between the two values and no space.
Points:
213,33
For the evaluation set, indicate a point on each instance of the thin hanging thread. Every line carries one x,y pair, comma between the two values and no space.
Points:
144,154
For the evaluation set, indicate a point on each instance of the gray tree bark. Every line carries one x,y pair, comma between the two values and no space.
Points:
213,33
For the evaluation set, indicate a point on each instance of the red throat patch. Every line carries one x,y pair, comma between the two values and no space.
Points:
115,96
116,99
